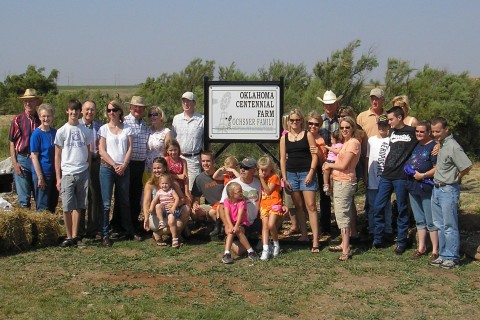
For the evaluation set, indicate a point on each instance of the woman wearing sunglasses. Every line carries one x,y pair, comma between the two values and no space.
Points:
115,151
298,167
159,136
345,183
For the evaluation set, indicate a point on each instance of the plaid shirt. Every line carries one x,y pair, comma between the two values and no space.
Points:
21,129
328,127
140,137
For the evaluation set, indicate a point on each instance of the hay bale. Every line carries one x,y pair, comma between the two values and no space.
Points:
15,231
45,229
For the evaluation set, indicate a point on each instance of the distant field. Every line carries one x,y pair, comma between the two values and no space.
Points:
123,92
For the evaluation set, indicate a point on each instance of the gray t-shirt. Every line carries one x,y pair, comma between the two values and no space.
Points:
451,160
74,142
208,187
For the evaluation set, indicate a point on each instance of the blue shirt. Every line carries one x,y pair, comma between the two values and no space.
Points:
43,143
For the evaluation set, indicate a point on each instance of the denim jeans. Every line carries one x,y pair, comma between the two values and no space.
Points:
108,178
24,185
46,199
445,218
325,205
95,206
371,195
385,189
422,211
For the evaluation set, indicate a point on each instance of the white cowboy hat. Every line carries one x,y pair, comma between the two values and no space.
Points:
329,97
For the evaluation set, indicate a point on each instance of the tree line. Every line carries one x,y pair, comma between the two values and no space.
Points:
432,92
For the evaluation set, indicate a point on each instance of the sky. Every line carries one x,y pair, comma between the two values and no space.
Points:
107,42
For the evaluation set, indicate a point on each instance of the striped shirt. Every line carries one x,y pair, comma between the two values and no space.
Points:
21,129
328,127
140,137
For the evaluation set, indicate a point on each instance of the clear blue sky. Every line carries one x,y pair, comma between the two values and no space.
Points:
123,42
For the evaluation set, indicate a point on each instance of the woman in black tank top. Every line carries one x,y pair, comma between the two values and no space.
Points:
298,165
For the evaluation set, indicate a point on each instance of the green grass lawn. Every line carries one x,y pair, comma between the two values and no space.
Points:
138,280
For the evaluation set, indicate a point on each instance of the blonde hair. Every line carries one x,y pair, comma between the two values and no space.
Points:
166,176
402,102
315,115
161,115
353,124
285,124
265,162
230,162
299,113
231,188
46,107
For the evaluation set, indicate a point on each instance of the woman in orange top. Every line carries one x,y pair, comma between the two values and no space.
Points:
345,183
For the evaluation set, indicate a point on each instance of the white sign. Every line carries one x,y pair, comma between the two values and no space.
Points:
244,112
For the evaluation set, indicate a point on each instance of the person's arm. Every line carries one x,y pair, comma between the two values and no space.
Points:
102,150
268,188
13,155
151,208
120,169
340,165
236,227
313,164
176,201
178,190
283,163
168,138
218,174
462,173
147,196
235,172
429,174
38,170
58,166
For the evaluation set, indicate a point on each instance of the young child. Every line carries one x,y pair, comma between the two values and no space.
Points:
333,150
270,206
228,171
236,215
72,159
164,198
178,167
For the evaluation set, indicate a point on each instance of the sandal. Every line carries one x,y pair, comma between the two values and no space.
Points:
418,254
335,249
290,232
175,243
345,256
315,250
161,243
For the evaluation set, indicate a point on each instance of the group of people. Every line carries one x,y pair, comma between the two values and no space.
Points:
322,152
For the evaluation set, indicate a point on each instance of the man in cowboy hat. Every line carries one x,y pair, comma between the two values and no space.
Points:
368,119
330,124
141,133
21,129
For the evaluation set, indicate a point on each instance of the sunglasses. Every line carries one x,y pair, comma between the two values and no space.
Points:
153,115
244,168
345,128
315,124
295,120
112,110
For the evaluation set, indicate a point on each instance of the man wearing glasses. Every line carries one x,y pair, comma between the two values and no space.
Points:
330,124
187,128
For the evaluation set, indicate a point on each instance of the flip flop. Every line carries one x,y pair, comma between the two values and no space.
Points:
161,243
290,232
315,250
345,256
335,249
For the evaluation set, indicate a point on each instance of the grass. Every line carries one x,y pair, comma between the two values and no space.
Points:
137,280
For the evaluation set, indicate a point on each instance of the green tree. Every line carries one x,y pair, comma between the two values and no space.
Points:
345,75
397,78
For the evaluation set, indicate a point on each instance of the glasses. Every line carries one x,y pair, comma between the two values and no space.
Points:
315,124
153,115
244,168
418,131
112,110
295,120
345,128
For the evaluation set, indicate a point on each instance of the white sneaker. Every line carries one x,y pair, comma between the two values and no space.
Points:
276,251
265,255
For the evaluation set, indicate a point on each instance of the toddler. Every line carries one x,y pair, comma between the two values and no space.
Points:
333,150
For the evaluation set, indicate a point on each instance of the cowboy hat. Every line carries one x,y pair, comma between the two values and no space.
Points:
137,101
329,97
31,94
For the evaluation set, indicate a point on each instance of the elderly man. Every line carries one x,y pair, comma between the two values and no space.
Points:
330,124
252,191
141,133
21,129
210,189
452,165
368,119
187,128
94,205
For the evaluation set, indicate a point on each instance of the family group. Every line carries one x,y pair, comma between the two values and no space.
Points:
164,173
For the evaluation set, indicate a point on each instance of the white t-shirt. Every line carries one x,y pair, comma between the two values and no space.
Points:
116,144
74,142
377,151
252,193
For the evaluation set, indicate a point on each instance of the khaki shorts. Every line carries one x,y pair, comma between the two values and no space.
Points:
343,193
74,190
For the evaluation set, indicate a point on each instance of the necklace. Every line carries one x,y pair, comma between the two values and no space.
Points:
295,135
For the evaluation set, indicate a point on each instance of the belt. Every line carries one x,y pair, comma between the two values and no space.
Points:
24,154
189,155
440,184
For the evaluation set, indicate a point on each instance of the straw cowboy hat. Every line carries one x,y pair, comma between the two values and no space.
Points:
137,101
31,94
329,97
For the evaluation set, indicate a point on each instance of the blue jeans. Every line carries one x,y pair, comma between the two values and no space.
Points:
385,189
24,185
46,199
422,211
108,178
445,218
371,195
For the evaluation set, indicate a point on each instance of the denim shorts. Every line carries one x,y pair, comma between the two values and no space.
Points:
297,181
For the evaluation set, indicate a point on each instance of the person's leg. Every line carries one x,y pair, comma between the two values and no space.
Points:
292,211
194,168
41,195
325,207
106,187
272,226
384,193
371,194
75,220
136,169
448,197
432,230
172,224
353,221
302,224
401,194
243,240
24,183
419,215
265,230
123,187
228,242
95,207
309,197
67,219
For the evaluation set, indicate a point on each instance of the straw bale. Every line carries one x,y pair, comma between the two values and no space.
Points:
45,229
15,230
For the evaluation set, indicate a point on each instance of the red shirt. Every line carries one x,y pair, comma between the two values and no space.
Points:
21,129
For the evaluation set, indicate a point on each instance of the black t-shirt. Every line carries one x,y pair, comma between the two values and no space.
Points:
208,187
402,143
